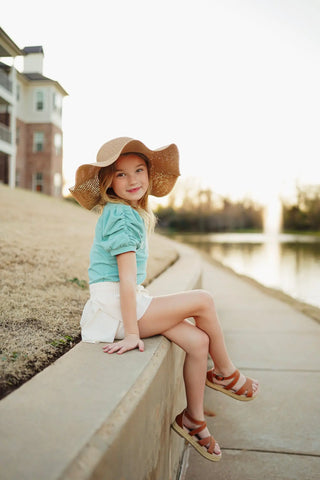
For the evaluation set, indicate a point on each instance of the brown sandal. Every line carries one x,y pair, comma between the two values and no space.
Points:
207,452
245,392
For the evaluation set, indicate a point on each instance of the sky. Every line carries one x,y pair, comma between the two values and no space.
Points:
235,84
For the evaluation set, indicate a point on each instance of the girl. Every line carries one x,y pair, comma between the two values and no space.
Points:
125,173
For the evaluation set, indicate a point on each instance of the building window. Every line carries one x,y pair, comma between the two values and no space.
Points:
38,141
37,182
39,100
18,92
57,103
58,143
17,135
57,182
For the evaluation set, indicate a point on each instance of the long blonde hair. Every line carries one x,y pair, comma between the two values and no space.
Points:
108,195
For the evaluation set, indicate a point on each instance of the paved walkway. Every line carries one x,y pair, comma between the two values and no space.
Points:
277,436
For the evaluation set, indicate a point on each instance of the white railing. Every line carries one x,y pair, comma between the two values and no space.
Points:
5,134
5,81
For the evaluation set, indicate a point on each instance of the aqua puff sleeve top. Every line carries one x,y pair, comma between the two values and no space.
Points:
119,229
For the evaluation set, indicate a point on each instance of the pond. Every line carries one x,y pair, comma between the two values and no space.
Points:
287,262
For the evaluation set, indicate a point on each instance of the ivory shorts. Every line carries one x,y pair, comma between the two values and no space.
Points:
101,319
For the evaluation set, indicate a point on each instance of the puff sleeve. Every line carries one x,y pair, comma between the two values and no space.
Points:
122,230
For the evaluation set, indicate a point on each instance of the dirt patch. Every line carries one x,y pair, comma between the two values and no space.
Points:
44,247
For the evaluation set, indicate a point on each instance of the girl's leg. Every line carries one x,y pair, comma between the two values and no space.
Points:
195,343
168,311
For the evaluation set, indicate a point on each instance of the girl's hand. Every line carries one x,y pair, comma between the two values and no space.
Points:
130,342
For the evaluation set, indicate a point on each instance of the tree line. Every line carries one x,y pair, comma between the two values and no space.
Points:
200,212
304,213
203,211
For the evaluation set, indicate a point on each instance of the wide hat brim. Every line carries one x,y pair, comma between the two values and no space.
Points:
164,169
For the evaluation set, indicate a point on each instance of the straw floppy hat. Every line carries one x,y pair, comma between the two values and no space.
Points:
164,169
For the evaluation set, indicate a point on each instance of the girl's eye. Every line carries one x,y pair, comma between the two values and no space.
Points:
140,170
120,174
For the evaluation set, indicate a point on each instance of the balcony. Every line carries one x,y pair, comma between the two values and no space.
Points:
5,133
5,81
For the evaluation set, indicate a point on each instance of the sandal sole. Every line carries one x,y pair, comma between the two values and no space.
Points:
221,389
202,450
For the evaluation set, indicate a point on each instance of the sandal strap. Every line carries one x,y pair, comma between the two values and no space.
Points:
235,376
202,424
208,440
193,420
246,388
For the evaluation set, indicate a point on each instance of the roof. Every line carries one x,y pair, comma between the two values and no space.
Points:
38,77
4,66
34,49
7,46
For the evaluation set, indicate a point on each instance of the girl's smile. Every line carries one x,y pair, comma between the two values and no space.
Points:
130,181
134,190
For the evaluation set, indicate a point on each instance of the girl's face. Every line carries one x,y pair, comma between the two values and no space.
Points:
130,181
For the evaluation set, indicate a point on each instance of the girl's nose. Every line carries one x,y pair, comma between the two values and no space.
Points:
132,178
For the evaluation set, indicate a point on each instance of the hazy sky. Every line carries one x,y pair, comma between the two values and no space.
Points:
234,83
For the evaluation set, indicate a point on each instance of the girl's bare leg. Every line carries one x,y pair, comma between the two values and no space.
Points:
195,343
167,311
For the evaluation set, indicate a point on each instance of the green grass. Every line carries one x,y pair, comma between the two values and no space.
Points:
13,356
80,283
302,232
62,342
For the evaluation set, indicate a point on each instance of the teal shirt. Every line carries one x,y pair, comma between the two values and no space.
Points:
119,229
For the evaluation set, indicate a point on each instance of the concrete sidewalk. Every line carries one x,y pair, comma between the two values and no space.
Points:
277,436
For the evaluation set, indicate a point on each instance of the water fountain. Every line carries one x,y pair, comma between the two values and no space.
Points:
272,219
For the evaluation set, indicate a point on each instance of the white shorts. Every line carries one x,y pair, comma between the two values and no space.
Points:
101,319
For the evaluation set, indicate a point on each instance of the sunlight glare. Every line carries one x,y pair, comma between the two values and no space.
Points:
272,221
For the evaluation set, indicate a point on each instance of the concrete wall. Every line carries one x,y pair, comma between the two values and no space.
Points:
97,416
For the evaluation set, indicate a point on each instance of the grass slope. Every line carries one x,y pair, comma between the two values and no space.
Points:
44,246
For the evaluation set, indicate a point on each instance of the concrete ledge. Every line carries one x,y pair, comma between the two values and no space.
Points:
91,415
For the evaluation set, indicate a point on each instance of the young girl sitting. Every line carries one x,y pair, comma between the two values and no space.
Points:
125,174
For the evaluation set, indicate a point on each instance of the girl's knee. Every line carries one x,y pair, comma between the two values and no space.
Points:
199,343
205,299
204,341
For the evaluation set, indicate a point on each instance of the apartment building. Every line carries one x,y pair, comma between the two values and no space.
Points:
30,121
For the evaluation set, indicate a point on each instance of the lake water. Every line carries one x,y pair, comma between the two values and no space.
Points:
290,263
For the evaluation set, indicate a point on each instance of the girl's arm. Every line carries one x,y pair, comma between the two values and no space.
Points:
128,276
